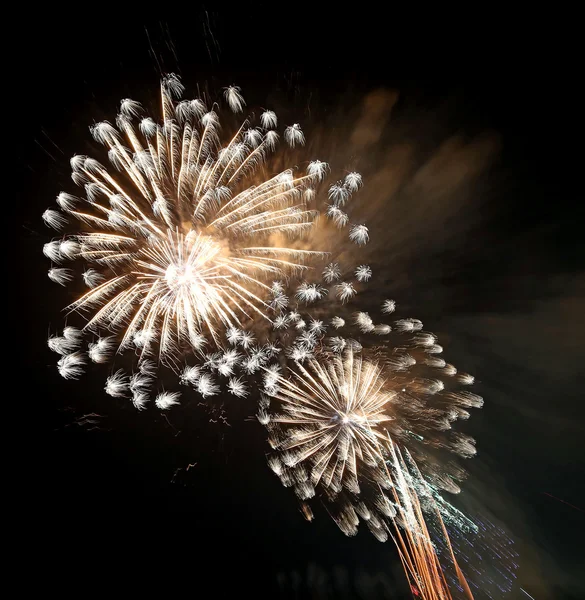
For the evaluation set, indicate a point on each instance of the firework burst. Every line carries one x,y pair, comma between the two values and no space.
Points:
180,246
332,413
353,383
332,439
190,242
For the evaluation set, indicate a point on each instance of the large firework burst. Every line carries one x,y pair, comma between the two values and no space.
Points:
178,248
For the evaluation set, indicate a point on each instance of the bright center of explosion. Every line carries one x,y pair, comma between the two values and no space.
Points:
180,275
192,263
351,419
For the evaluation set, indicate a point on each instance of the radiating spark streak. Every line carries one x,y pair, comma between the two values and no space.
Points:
563,501
413,541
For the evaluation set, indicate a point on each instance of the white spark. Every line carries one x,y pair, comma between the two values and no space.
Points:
234,98
271,375
231,357
307,340
310,292
69,249
100,351
318,169
466,379
450,370
364,322
434,349
363,273
275,464
60,276
294,136
117,384
237,387
147,127
281,322
147,367
279,302
299,353
165,400
337,344
71,365
246,339
53,218
438,363
317,326
190,375
388,306
173,84
268,119
271,139
382,329
263,416
338,216
77,161
139,383
142,338
51,251
408,325
277,288
130,108
272,349
206,386
337,322
353,181
92,278
359,234
61,345
139,399
72,334
339,194
233,335
67,201
331,272
345,291
425,339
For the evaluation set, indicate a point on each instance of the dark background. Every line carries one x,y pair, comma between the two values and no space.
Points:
111,501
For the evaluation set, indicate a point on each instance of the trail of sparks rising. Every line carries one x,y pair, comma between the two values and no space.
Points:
412,536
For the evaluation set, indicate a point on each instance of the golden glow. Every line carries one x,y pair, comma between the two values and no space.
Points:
185,245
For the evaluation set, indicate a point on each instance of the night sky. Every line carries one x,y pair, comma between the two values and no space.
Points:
500,279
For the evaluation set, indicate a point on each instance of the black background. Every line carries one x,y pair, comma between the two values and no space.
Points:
115,505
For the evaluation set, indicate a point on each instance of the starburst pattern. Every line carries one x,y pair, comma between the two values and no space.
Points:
332,413
415,395
181,243
189,246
